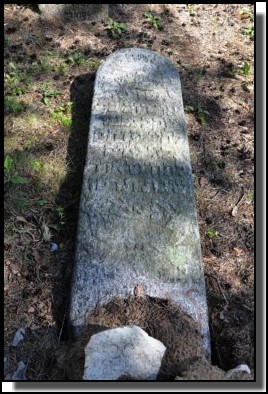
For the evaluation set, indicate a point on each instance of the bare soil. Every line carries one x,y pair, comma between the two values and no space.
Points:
214,56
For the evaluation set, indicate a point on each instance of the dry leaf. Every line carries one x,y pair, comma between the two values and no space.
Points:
6,290
14,268
238,251
202,181
45,232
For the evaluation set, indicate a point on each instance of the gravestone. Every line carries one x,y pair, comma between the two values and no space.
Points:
78,12
138,222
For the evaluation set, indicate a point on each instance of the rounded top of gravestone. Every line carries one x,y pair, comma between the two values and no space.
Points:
149,66
74,12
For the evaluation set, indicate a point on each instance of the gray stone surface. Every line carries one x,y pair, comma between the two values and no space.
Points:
79,12
138,219
124,351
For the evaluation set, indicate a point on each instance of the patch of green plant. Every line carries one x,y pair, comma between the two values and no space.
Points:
13,105
191,8
41,65
94,63
18,91
211,233
248,31
36,165
60,219
61,68
250,197
200,113
10,173
243,68
63,119
197,74
116,28
41,201
49,94
77,58
17,200
217,165
63,114
14,76
154,20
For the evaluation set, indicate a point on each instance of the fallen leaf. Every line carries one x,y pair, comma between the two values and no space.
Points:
202,181
14,268
238,251
31,309
6,290
45,232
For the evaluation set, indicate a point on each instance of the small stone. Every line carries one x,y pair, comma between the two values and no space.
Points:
6,364
19,374
123,352
237,372
19,336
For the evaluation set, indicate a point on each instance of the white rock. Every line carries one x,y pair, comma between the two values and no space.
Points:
19,336
123,351
239,368
19,374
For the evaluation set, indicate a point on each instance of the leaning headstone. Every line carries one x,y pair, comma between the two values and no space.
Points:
123,352
80,12
138,222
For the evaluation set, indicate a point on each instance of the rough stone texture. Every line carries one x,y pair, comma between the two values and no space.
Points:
75,11
123,352
138,219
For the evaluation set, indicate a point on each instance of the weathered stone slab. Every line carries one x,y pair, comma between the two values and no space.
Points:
124,351
79,12
138,219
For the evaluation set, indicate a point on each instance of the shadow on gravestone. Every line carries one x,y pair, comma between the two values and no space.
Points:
137,221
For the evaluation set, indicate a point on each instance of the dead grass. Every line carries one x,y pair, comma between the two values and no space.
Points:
211,53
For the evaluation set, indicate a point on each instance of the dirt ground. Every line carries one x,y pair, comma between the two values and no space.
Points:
49,79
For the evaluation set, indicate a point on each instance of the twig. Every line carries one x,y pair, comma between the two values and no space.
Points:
211,198
248,308
221,291
63,320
